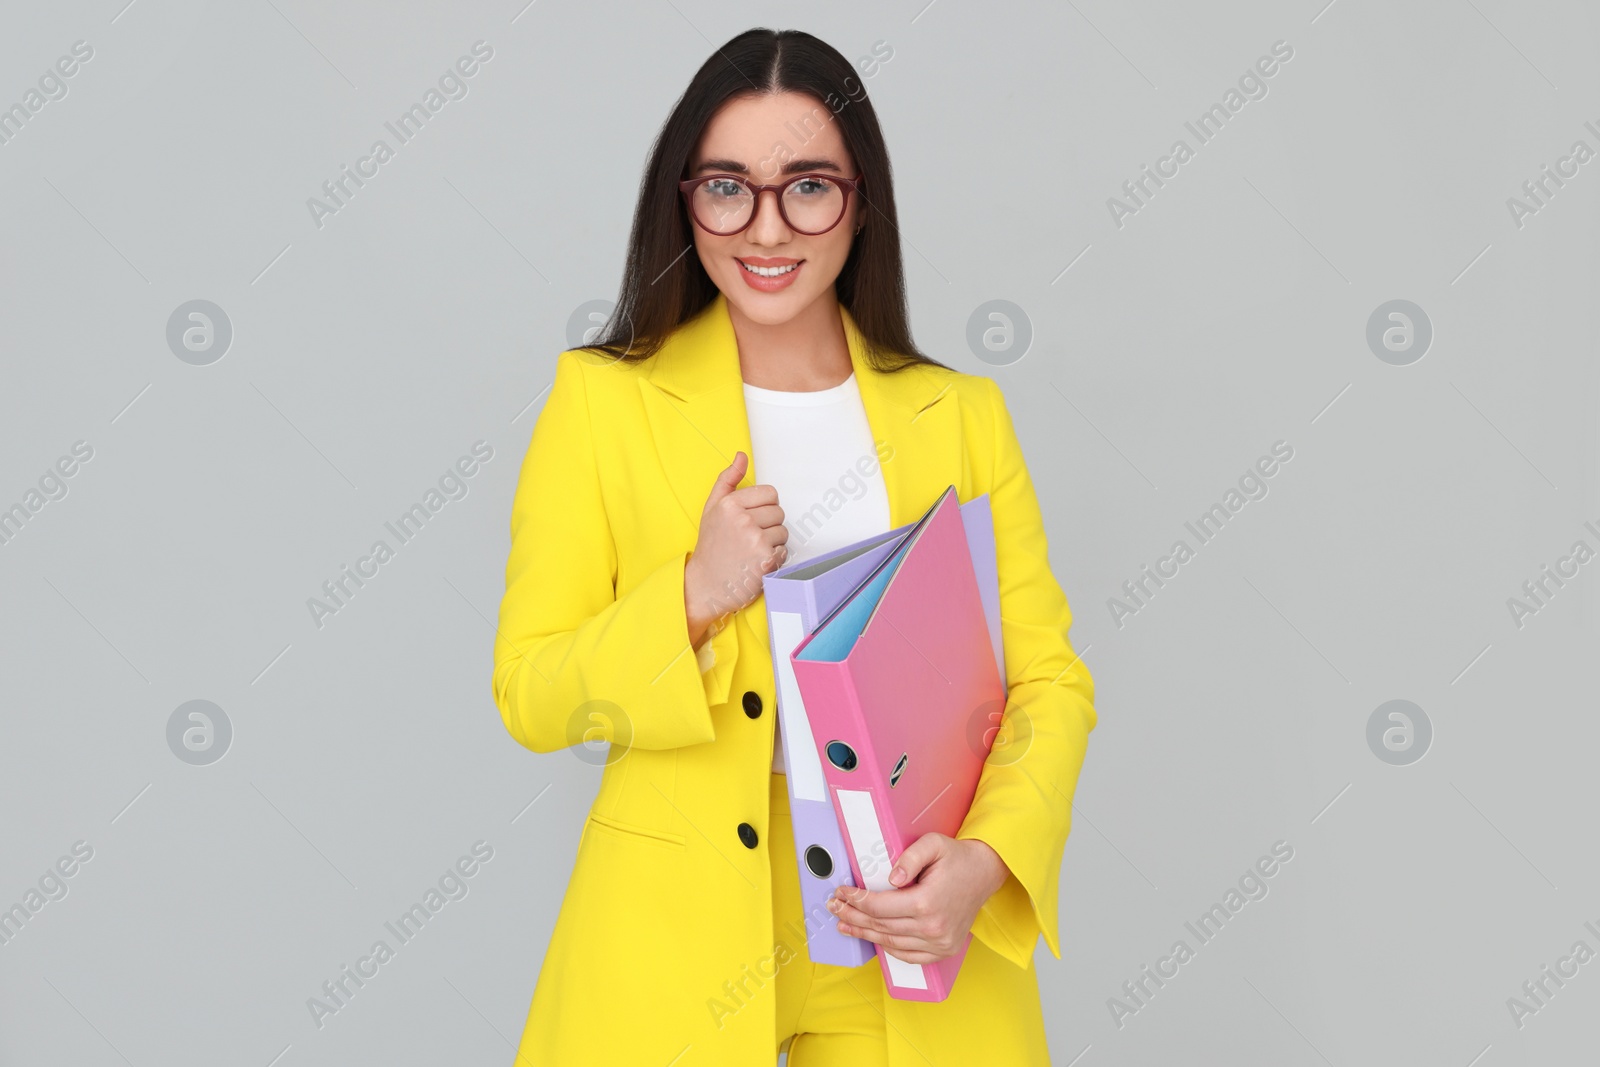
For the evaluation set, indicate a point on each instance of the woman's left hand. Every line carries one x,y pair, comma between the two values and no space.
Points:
944,880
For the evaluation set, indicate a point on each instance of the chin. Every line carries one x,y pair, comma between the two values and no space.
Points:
768,309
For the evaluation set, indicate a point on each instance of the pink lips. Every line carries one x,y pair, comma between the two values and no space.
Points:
773,284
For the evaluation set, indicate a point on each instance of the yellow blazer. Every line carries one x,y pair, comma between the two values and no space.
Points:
665,947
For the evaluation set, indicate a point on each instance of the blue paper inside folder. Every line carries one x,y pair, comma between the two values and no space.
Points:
837,634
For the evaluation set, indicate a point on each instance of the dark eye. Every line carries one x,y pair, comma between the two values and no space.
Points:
723,187
812,187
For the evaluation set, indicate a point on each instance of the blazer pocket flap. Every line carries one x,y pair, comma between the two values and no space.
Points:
634,830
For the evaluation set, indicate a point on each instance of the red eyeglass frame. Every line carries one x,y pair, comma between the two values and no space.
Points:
687,186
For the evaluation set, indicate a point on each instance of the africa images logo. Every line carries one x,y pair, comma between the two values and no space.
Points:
340,189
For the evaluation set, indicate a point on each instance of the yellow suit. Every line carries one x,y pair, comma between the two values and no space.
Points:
664,949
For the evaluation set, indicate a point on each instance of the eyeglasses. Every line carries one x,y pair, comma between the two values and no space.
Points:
724,204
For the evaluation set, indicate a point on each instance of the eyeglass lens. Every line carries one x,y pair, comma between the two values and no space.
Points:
811,205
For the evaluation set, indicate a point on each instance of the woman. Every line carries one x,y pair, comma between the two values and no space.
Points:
771,316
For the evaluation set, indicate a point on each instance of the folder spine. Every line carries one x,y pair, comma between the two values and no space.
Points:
836,716
813,610
872,836
798,596
901,676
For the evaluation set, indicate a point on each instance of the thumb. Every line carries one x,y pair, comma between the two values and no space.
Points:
921,852
729,478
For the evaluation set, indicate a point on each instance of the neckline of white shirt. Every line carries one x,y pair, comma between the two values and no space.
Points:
813,398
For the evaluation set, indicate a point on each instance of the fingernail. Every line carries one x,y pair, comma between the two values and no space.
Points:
896,876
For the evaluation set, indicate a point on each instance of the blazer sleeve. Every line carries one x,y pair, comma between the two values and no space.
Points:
1023,804
570,655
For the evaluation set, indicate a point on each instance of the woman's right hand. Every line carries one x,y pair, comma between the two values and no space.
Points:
741,539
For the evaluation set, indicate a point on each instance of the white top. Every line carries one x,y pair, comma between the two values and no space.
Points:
817,450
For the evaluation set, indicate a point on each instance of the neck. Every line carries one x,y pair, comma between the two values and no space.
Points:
804,354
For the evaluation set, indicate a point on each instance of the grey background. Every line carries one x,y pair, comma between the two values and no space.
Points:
368,355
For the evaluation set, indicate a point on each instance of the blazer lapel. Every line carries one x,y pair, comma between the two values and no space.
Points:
694,400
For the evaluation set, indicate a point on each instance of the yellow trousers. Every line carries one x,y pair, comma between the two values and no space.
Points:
830,1016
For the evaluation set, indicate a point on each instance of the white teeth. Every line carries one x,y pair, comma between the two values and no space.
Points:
768,272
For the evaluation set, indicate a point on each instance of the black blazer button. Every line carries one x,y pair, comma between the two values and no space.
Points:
747,834
752,704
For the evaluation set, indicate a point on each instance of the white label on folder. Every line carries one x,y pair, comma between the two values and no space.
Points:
872,858
800,759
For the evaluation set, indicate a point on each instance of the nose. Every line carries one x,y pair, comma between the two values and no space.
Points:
768,227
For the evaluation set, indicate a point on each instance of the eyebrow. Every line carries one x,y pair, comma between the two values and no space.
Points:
794,166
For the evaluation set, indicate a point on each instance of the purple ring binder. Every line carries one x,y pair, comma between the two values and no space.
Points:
798,597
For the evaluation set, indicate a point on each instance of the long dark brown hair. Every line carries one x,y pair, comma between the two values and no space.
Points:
662,286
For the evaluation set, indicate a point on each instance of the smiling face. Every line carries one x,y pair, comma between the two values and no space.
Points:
758,139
